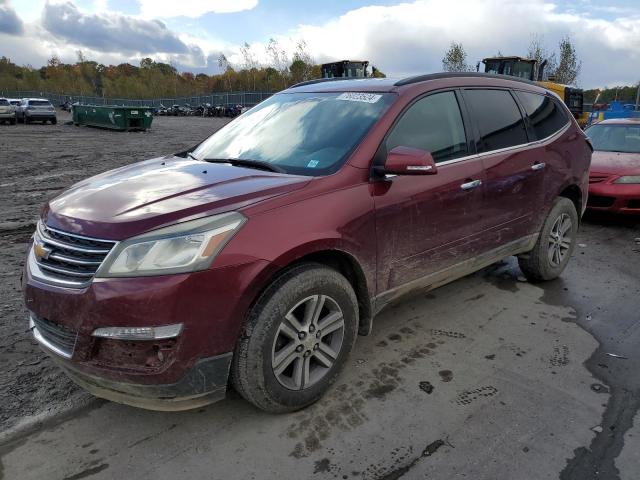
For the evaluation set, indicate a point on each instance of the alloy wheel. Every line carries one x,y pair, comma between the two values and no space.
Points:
308,342
559,240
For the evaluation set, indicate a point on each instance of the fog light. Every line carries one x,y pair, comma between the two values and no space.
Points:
139,333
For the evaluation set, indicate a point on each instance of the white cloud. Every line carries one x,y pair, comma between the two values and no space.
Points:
412,37
192,8
403,39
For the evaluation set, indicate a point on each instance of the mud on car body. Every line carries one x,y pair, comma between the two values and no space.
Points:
257,258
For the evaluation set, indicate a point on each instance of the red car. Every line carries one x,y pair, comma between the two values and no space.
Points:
257,258
614,179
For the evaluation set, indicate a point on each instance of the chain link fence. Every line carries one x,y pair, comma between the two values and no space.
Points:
228,99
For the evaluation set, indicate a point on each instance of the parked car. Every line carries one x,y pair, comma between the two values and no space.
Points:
36,110
261,254
614,179
15,102
7,112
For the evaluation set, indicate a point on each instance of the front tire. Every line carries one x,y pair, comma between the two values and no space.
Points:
555,244
296,339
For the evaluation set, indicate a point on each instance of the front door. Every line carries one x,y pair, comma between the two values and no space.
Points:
427,223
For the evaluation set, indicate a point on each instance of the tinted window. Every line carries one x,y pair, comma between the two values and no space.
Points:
434,124
3,102
39,103
545,115
497,117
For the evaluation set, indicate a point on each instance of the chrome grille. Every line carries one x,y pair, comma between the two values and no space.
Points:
59,339
66,258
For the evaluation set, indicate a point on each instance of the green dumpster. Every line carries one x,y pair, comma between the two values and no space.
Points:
113,117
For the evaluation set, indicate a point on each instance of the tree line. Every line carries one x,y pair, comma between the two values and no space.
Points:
152,79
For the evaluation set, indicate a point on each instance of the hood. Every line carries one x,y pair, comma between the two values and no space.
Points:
615,163
137,198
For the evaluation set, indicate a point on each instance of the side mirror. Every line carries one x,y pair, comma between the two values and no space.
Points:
409,161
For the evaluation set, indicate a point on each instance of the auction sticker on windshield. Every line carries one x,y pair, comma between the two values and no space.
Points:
360,97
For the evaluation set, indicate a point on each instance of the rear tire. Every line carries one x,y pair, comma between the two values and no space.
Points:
54,121
296,339
555,244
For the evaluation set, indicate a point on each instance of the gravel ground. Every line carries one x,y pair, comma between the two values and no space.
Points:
37,161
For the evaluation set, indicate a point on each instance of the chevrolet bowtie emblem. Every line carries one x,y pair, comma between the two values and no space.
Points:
40,251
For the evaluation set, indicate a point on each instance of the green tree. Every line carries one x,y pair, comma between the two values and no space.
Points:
569,65
455,59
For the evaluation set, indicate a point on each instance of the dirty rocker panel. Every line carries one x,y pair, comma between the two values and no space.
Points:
449,274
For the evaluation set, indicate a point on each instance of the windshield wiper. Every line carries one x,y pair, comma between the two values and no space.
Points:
192,156
241,162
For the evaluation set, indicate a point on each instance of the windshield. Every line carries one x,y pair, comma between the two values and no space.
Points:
299,133
615,138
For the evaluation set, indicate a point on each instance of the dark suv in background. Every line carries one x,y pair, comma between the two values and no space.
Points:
262,253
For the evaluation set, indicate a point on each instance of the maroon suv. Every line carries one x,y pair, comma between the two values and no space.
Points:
257,257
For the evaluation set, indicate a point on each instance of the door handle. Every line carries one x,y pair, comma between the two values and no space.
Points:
538,166
471,185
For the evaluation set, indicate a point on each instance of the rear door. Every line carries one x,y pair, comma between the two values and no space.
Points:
426,223
514,169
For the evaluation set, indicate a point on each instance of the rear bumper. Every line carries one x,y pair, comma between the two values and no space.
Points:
614,198
5,116
202,384
38,115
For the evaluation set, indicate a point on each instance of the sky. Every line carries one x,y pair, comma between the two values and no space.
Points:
400,38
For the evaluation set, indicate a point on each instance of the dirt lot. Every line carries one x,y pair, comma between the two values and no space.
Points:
37,161
489,377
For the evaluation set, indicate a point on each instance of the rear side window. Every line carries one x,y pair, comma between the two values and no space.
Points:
4,102
433,124
497,117
546,117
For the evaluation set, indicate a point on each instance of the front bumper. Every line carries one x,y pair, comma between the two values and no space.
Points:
614,198
202,384
178,373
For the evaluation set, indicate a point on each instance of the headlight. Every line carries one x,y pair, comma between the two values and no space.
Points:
628,179
184,247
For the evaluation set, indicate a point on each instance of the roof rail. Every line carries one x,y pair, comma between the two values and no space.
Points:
436,76
320,80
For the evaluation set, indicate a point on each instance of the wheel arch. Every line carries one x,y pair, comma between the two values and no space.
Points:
348,266
574,193
338,259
